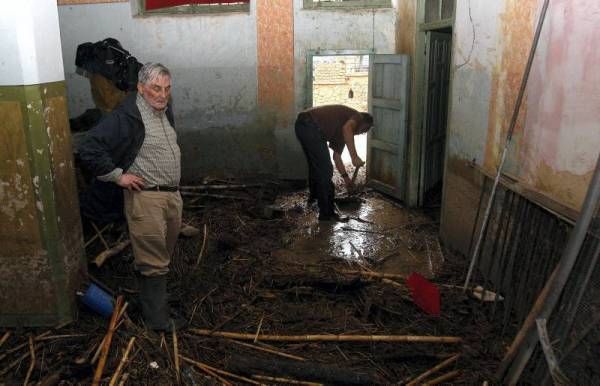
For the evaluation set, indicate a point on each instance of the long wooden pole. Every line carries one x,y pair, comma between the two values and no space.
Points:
107,340
331,337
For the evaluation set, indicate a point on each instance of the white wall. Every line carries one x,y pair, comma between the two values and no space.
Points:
212,57
30,43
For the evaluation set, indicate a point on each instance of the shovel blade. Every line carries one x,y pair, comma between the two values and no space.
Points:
425,294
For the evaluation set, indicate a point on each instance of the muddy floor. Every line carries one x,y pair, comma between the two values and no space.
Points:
264,266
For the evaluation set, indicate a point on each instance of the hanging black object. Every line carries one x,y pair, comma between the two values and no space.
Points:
350,94
109,59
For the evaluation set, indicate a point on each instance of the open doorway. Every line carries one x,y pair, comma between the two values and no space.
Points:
342,79
435,114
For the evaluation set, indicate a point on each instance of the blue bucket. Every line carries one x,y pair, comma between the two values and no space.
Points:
98,300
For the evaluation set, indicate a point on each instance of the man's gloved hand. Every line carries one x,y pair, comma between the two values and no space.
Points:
131,182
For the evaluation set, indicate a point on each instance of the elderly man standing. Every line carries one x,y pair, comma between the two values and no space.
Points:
336,125
135,150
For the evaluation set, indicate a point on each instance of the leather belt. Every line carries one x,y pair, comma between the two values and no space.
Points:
162,188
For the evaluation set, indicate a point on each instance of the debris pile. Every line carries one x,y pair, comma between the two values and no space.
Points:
254,318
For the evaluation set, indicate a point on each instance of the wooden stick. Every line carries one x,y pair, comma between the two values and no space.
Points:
100,235
285,380
14,363
65,336
393,283
444,378
106,344
96,235
98,350
110,252
220,187
290,356
17,348
4,337
117,373
331,337
432,370
124,379
202,248
375,274
176,354
258,329
32,364
207,369
223,372
219,196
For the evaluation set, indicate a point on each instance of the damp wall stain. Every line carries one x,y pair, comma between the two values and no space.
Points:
407,27
514,40
557,138
275,57
462,186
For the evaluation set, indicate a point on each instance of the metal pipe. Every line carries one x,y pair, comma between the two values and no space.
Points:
511,129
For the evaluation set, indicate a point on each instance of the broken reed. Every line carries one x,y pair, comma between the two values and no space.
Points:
330,337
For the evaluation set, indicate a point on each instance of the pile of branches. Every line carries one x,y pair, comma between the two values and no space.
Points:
255,319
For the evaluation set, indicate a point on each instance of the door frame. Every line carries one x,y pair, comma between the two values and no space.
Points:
414,196
308,99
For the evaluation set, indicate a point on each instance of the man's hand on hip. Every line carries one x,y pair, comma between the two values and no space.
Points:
131,182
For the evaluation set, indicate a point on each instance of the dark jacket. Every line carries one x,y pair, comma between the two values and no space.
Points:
113,143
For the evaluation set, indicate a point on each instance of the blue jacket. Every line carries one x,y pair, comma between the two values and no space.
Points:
113,143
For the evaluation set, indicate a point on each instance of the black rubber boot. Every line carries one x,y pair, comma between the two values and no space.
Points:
153,298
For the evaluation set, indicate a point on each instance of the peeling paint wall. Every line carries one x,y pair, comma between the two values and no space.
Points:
557,137
40,230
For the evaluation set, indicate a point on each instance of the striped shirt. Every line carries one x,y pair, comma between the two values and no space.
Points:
159,159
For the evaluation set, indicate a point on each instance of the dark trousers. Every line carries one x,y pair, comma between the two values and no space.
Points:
320,169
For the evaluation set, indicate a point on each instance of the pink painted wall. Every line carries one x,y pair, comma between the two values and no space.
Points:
562,131
557,137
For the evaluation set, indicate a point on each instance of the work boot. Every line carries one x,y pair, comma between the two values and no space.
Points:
155,305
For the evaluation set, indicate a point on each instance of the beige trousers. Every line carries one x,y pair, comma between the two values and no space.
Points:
154,220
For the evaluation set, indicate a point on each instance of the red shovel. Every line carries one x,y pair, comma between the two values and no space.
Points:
424,293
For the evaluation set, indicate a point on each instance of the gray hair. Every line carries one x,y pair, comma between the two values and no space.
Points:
151,71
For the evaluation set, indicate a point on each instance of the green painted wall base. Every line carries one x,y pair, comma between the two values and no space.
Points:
41,250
